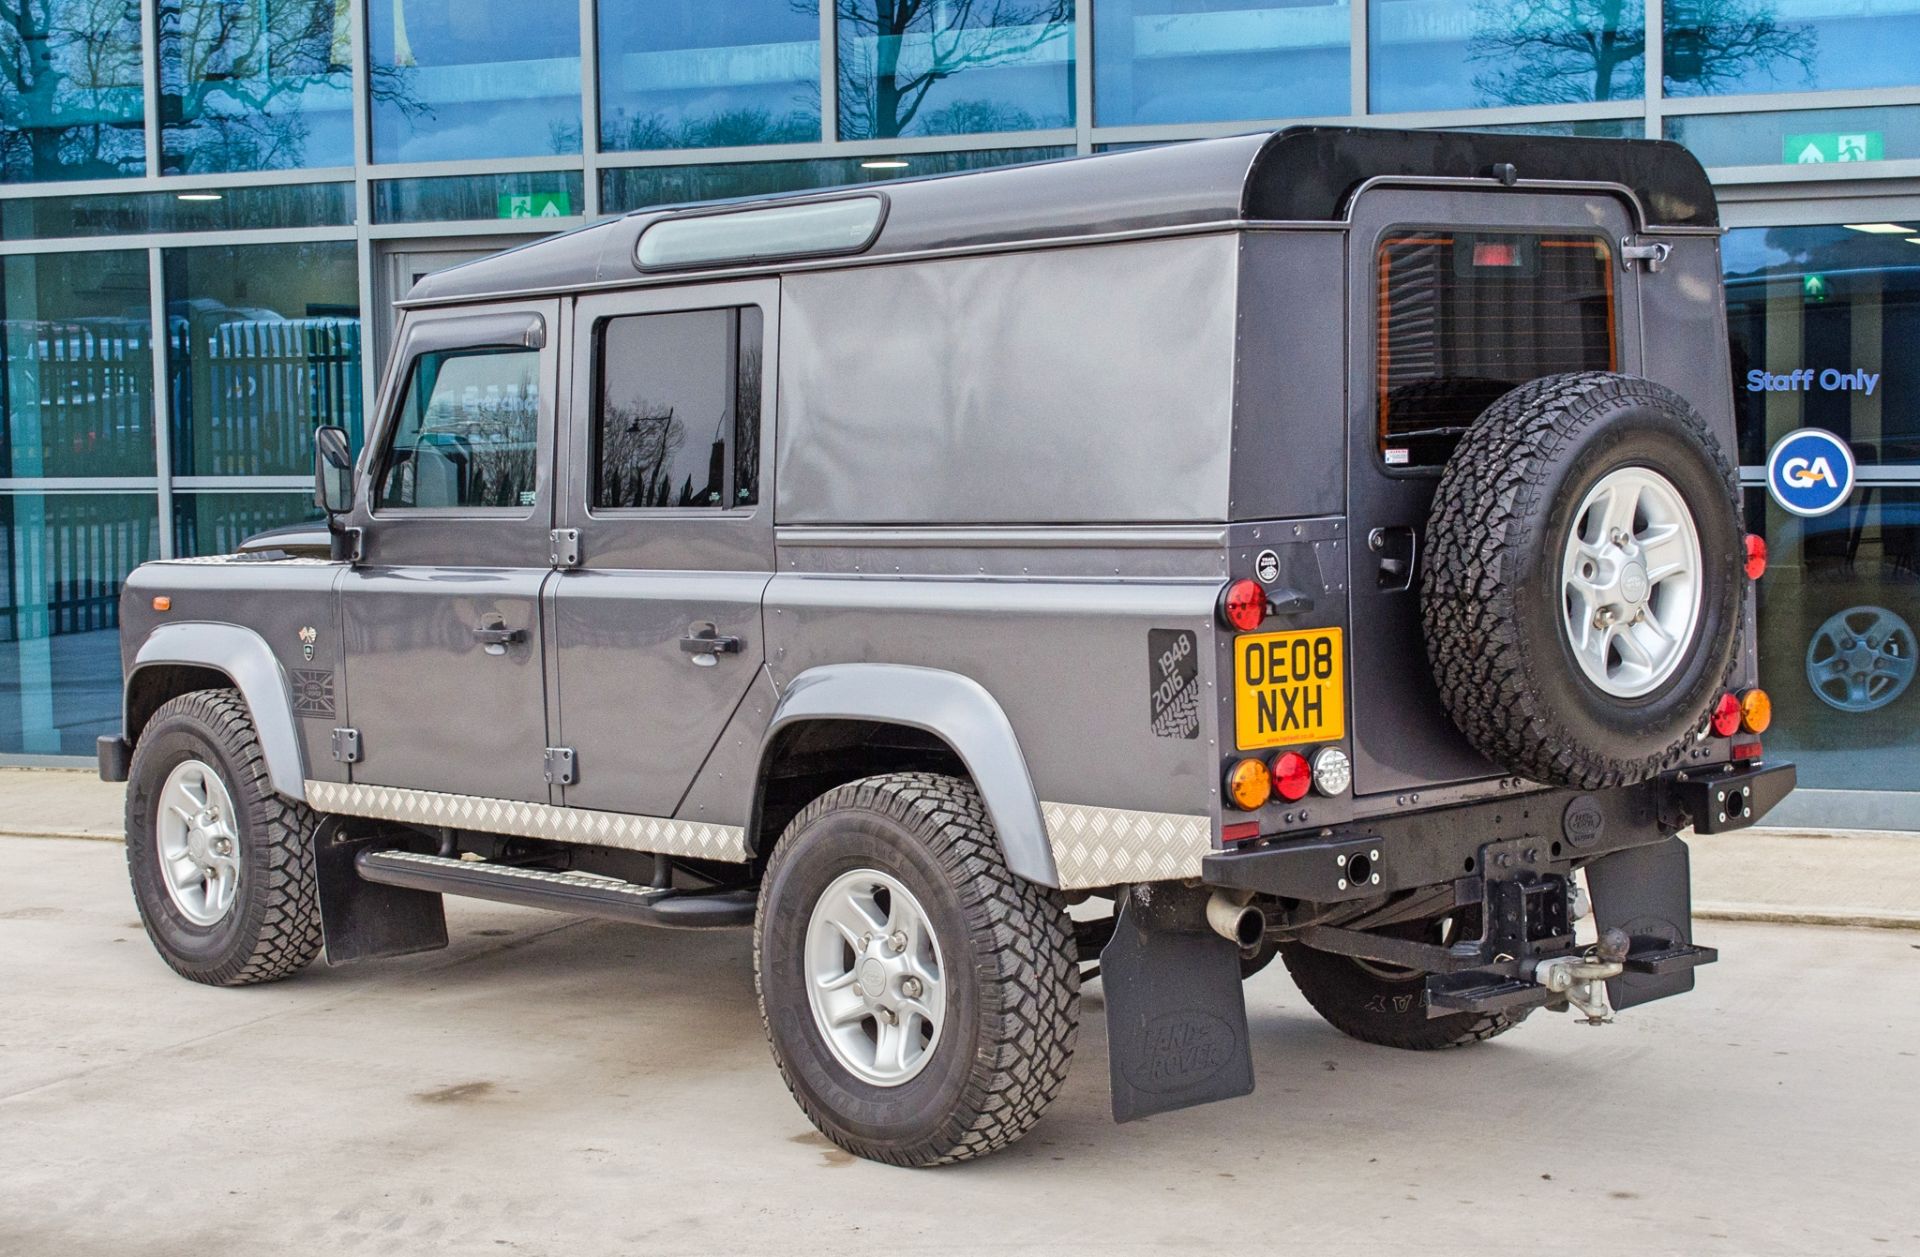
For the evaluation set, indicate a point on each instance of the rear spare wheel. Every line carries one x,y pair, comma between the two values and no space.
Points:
1581,590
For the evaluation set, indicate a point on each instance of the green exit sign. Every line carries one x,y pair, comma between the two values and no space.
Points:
535,205
1833,146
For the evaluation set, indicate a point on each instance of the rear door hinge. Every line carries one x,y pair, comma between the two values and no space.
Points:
560,766
346,745
565,546
1652,254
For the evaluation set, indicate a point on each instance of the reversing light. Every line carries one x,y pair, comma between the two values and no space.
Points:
1756,711
1292,777
1726,715
1332,770
1756,556
1243,605
1247,785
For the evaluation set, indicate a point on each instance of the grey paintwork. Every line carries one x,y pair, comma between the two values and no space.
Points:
1024,438
953,707
245,657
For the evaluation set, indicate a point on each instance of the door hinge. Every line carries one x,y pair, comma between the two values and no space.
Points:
347,545
346,745
565,546
1651,254
560,766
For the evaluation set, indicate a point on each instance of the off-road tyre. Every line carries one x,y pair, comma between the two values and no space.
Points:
1491,591
1364,1002
272,928
1012,990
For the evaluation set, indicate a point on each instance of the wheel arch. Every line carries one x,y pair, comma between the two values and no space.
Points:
846,711
178,659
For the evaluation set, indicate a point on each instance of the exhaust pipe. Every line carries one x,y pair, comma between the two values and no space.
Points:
1241,923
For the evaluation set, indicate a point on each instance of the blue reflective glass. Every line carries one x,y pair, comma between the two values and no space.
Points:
636,187
63,558
953,67
1470,54
1594,128
72,101
1716,47
197,209
263,345
256,86
693,74
1839,302
1158,61
216,523
1799,137
539,195
458,79
78,381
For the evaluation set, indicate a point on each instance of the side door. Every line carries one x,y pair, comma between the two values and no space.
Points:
442,615
667,476
1458,296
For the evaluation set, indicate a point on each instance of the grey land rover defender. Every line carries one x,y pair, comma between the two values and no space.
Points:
1321,544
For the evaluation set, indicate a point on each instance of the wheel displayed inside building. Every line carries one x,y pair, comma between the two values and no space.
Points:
1861,659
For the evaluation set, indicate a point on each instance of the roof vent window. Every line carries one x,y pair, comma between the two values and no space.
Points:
813,228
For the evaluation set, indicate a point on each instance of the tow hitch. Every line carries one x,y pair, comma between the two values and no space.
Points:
1582,979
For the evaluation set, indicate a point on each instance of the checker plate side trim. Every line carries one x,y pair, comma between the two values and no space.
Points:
1092,846
1106,846
660,834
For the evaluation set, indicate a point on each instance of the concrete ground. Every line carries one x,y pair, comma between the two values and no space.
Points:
552,1086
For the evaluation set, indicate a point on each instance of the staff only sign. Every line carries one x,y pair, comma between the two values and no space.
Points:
1810,472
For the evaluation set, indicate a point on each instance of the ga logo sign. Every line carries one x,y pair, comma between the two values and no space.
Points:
1810,472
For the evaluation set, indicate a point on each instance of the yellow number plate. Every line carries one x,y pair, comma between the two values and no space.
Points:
1289,688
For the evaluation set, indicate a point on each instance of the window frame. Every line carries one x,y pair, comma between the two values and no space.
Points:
587,426
521,328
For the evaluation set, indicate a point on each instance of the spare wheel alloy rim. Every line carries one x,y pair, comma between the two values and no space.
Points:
1630,582
198,843
874,977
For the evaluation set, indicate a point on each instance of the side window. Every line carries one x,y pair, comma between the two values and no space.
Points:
467,432
677,409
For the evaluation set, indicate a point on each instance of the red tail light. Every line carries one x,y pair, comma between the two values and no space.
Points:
1243,605
1292,776
1726,715
1756,556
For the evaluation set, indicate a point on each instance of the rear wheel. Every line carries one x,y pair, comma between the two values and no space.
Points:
222,867
1385,1004
921,1000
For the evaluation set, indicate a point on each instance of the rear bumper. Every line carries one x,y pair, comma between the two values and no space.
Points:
1568,828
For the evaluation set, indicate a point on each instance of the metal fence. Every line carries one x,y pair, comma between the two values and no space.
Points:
256,389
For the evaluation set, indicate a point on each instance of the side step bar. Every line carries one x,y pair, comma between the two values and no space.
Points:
582,894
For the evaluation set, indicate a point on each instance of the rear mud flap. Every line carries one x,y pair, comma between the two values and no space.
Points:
362,920
1176,1015
1646,892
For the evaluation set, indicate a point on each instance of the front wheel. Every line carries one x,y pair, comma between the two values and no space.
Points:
921,1000
222,867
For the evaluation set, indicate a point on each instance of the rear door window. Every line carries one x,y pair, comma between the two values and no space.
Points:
1464,317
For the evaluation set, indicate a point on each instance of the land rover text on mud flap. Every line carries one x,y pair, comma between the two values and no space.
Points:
1321,544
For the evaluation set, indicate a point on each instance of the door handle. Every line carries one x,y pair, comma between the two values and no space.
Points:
497,637
705,645
1399,551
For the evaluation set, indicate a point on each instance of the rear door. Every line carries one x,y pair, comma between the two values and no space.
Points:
1457,298
656,631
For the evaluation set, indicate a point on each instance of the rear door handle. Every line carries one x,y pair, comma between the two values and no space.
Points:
709,643
497,637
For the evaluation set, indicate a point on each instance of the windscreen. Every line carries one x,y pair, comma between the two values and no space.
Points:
1465,317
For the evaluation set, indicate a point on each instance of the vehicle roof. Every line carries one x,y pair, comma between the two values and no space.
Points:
1300,174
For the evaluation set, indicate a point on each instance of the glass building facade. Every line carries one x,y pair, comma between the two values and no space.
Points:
207,208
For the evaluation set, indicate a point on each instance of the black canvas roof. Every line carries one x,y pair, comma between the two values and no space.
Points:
1301,174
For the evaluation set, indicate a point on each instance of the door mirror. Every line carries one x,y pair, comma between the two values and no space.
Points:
332,470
